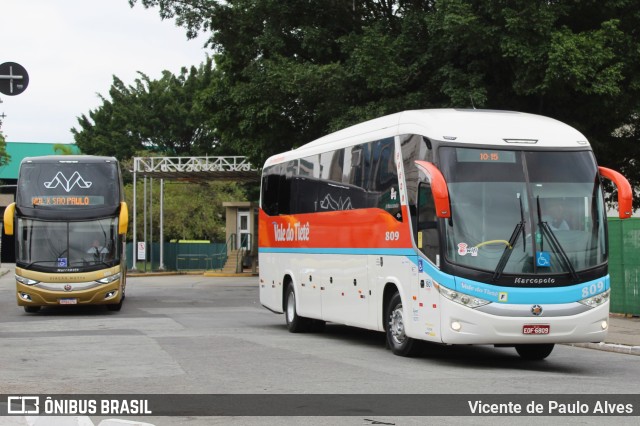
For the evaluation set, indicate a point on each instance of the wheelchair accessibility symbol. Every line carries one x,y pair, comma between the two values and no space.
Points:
543,259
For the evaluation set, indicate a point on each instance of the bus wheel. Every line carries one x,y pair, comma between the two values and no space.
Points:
397,340
534,352
32,309
295,323
116,307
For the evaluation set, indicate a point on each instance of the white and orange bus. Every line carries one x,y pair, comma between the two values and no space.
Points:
450,226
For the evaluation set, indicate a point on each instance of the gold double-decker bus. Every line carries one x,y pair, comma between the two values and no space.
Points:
70,221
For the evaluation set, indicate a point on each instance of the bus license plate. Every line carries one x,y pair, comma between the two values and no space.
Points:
536,329
68,301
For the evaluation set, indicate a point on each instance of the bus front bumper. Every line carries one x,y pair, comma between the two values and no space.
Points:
48,294
462,325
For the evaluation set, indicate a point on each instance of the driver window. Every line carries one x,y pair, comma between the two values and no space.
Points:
427,236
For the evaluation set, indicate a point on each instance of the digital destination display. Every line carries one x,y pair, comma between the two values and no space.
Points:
67,200
484,156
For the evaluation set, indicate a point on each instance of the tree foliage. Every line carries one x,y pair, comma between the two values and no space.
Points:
162,117
191,211
153,115
4,155
288,72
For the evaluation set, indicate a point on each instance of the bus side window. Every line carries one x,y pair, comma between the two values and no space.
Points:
383,182
305,186
427,237
270,186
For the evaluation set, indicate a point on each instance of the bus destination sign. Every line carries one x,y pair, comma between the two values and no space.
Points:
466,155
67,200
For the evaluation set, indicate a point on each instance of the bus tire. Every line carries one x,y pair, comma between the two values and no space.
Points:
32,309
397,340
117,306
534,352
295,323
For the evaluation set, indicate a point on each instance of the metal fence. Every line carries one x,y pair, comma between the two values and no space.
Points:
624,265
180,256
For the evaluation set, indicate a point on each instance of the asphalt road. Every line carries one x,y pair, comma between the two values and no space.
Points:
197,335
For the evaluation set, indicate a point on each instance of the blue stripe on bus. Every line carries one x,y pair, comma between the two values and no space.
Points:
532,295
358,251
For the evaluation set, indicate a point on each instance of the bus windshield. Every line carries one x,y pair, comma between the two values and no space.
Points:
86,245
516,212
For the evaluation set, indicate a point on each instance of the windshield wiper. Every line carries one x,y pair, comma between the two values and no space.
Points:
97,262
506,254
36,262
555,244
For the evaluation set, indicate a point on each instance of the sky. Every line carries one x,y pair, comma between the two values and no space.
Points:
71,50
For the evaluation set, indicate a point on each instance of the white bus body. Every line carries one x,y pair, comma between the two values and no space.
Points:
437,225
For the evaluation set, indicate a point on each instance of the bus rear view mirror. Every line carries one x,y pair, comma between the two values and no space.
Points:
625,195
9,214
438,187
123,220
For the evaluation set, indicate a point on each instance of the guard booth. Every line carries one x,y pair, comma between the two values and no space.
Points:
241,236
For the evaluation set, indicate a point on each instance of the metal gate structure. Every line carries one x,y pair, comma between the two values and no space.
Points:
189,169
624,265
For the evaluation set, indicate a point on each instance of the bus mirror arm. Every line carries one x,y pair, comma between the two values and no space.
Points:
625,194
438,188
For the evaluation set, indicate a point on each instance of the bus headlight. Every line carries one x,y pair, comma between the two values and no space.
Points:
596,300
109,279
462,298
26,281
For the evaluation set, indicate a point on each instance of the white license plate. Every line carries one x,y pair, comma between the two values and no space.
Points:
68,301
536,329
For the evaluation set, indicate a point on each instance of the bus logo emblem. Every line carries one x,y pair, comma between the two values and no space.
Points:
67,184
67,287
536,310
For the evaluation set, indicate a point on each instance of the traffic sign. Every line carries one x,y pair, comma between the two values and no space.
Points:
14,79
142,250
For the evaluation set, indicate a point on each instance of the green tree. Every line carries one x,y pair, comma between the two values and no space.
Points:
63,149
191,211
4,155
288,72
154,115
162,118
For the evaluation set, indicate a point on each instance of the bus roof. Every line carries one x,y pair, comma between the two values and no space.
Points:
78,158
466,126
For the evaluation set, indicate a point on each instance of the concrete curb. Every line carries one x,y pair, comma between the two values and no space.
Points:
223,274
609,347
203,273
153,274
